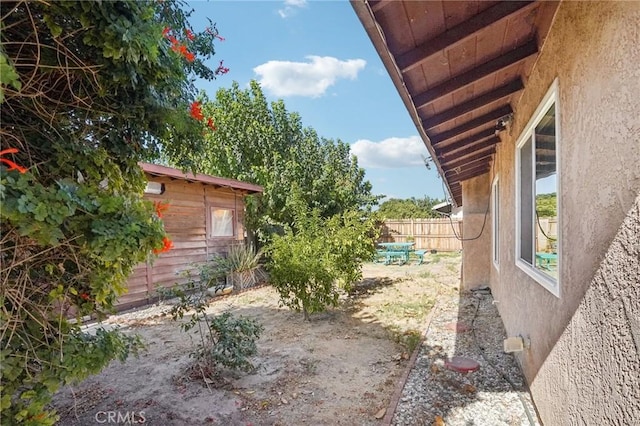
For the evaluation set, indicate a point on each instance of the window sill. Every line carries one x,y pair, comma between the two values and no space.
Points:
550,284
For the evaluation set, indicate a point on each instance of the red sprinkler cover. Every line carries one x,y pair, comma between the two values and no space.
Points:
462,364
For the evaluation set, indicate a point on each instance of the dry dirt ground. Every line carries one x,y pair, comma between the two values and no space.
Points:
340,368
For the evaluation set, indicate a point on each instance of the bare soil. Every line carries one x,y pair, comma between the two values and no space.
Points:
339,368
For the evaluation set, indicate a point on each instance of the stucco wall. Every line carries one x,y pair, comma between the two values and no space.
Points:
592,375
594,51
476,232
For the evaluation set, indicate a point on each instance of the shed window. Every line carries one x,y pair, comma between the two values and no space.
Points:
222,222
537,241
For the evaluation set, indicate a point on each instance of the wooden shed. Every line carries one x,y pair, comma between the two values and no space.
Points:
205,217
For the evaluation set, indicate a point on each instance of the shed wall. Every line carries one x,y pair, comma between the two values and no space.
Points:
185,222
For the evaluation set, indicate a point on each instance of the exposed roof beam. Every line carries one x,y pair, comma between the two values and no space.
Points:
547,146
456,189
456,83
484,134
455,163
377,6
492,116
484,161
470,174
545,159
417,56
473,104
471,149
545,138
463,163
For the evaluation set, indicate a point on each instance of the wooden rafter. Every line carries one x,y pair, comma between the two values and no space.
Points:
420,54
468,150
485,161
490,117
473,104
455,163
470,174
490,67
481,135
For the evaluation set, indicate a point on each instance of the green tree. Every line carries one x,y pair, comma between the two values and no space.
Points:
265,144
547,205
88,90
411,208
311,262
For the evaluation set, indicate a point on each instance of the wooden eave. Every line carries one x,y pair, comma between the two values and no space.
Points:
172,173
460,68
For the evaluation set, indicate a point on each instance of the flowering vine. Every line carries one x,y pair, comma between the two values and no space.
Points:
167,245
181,47
160,207
178,46
222,69
11,164
196,111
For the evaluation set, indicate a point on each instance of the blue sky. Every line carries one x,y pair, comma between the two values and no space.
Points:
317,57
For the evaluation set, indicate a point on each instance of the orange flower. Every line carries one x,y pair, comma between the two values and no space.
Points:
176,47
11,164
167,245
189,34
196,111
160,207
165,31
189,56
211,124
84,296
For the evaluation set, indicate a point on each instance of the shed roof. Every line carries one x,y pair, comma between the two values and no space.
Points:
459,67
170,172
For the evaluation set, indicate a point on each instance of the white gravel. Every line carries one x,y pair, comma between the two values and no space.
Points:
494,395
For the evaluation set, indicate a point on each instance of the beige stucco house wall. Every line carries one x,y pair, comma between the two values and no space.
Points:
583,365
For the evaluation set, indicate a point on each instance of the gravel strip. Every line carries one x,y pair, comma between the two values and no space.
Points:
435,395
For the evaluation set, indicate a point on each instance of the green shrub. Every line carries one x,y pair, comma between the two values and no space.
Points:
311,262
224,340
243,257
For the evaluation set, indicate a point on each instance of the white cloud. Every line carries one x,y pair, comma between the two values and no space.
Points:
290,7
390,153
285,78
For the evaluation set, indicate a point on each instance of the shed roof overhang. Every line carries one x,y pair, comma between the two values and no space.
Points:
172,173
459,67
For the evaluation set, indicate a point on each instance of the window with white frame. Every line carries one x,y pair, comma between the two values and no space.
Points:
537,202
222,222
495,213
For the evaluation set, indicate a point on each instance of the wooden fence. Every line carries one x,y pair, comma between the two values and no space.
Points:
428,234
547,234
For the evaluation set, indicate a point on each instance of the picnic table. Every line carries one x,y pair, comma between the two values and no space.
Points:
395,251
546,260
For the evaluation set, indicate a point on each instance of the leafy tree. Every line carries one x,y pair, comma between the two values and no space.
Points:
311,262
411,208
88,89
265,144
547,205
